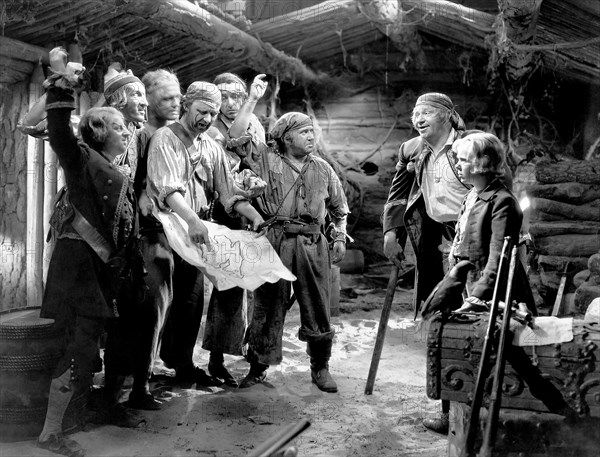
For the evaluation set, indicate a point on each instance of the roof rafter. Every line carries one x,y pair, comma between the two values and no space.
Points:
186,19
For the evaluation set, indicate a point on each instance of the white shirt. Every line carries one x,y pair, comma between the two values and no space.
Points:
442,190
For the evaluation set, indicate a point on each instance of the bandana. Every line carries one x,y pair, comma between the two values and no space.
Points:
207,93
111,86
288,122
235,88
442,101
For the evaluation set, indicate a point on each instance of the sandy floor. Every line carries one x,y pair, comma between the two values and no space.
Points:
230,422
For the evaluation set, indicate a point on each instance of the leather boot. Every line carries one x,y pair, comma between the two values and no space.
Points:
256,375
111,412
140,396
320,352
217,369
439,424
319,373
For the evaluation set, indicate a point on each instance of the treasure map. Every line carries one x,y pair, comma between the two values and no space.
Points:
234,258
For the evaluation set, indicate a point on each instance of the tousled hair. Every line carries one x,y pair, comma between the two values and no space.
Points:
93,127
153,80
119,98
490,157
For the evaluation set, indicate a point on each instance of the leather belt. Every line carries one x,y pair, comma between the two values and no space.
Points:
298,228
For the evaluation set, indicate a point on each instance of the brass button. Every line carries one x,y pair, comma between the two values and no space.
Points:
110,181
105,197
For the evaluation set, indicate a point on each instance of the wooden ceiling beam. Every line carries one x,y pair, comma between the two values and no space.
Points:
445,19
15,49
188,20
18,60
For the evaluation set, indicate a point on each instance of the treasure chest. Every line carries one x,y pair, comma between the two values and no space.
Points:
454,347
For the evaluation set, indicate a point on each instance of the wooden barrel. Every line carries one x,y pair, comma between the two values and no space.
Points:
29,351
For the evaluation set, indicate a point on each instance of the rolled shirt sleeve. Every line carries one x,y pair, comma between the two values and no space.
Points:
337,203
197,173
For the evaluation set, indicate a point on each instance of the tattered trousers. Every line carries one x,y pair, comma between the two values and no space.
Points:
307,256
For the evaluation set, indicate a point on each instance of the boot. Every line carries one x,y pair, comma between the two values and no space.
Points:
320,352
319,372
256,375
218,370
51,438
140,396
111,412
439,424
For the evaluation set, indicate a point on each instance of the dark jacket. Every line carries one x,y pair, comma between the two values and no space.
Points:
405,213
104,197
495,215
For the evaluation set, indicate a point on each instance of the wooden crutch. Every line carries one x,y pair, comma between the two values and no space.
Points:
385,317
473,424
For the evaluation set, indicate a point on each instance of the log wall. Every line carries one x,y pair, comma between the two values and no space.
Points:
13,182
363,132
565,216
29,179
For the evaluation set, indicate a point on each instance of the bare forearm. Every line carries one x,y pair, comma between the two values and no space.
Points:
242,120
177,203
244,208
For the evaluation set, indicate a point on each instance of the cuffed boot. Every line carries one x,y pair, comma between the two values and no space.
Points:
51,438
320,352
256,375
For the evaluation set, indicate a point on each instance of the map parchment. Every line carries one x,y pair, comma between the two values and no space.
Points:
234,258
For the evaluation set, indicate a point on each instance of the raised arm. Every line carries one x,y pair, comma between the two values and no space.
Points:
60,102
242,120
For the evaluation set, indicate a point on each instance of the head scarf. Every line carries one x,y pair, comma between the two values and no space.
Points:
206,92
118,81
235,88
442,101
288,122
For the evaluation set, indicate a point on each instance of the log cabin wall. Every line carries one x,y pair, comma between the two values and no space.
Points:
14,101
29,179
565,217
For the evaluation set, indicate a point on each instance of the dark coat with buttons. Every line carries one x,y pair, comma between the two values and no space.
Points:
77,276
405,213
495,215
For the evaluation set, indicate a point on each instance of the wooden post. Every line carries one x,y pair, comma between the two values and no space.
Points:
35,213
